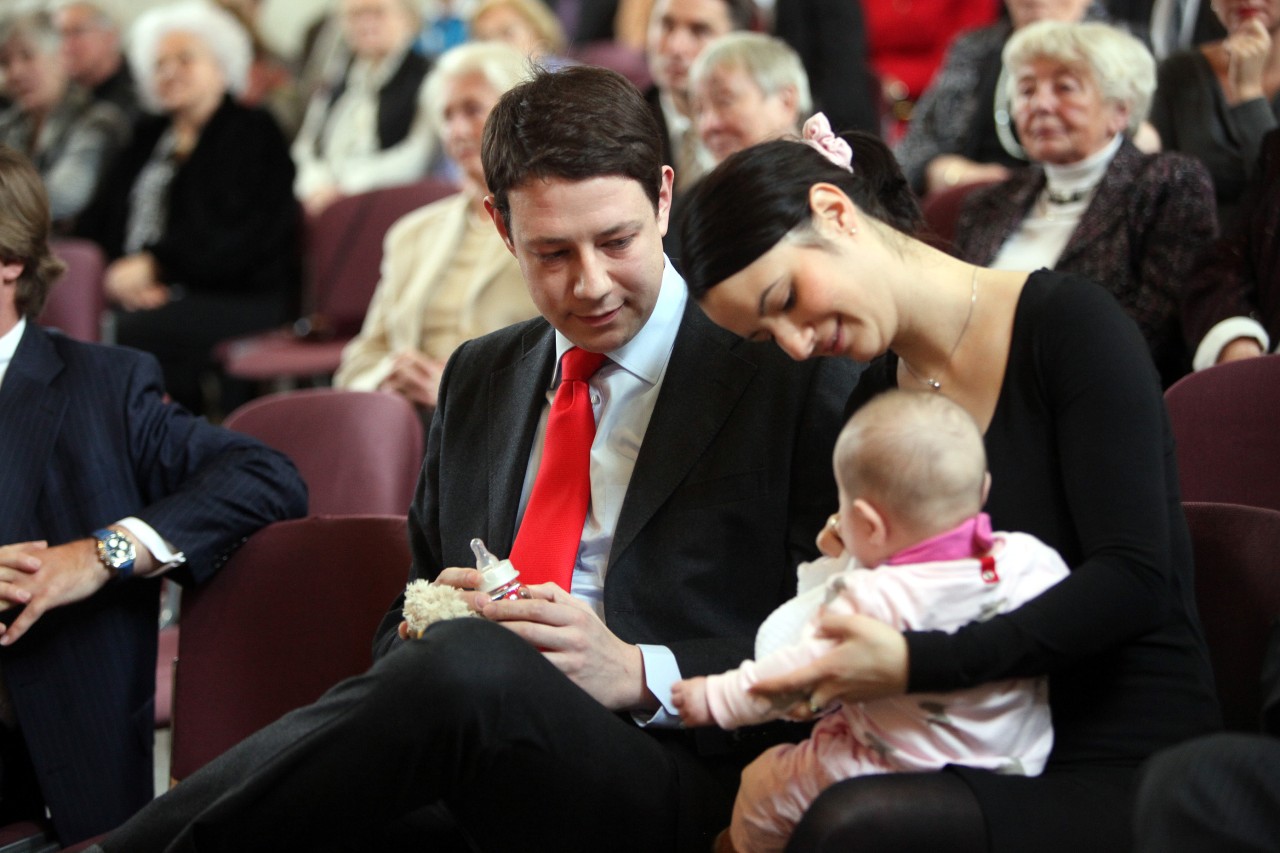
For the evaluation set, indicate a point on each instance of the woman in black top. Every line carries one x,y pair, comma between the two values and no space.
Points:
784,241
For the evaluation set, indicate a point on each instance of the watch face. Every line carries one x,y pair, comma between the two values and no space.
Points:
117,550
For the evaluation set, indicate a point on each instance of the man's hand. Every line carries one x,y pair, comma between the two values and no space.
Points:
574,639
64,574
15,560
414,377
690,698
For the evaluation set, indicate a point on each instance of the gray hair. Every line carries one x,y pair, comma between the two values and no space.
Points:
104,18
502,66
770,63
226,39
1122,67
34,27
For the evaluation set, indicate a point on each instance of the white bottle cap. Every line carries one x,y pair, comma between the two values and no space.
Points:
497,573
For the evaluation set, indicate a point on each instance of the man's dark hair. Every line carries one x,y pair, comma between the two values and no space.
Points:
576,123
744,14
24,231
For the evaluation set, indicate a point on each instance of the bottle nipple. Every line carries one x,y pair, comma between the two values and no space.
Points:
497,574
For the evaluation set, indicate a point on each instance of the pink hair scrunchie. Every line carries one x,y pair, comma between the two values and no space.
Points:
817,132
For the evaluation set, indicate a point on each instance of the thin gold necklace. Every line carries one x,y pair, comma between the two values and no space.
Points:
935,384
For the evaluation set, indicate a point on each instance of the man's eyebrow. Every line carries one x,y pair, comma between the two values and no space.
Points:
608,233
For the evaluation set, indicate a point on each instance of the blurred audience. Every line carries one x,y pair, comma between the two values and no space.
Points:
678,31
271,84
831,39
954,137
527,25
1217,101
67,134
93,56
198,215
747,88
446,274
905,46
1094,204
371,129
1232,307
1173,25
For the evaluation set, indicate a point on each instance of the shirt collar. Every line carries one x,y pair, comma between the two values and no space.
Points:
9,345
646,354
1085,173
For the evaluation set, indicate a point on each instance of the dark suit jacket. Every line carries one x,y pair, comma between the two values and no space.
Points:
1149,220
86,439
1240,274
730,487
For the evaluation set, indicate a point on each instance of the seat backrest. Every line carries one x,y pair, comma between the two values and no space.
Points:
292,613
941,211
1226,421
1237,557
76,302
343,248
359,452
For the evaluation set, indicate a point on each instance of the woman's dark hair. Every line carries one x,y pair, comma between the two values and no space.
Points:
760,194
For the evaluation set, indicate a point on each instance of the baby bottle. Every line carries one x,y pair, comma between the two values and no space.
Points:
501,580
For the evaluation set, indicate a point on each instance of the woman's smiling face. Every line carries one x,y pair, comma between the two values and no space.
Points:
802,295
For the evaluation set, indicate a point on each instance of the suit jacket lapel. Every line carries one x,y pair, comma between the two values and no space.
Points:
994,215
517,394
703,383
30,417
1107,211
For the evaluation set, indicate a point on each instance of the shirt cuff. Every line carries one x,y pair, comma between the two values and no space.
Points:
167,557
1225,332
660,672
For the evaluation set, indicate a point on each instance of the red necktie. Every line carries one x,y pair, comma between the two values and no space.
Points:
547,541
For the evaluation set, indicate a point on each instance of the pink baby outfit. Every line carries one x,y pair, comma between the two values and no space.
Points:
966,574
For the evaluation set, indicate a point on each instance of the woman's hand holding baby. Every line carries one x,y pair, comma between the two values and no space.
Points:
868,662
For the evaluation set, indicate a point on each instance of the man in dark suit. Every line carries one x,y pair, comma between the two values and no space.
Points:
103,486
547,724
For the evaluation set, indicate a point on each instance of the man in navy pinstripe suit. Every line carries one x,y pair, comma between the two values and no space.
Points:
103,487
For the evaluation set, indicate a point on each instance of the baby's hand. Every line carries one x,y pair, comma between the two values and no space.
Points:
690,699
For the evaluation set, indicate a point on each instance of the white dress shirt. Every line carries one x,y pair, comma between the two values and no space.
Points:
623,393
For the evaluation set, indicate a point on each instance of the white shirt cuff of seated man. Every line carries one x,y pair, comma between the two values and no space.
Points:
661,670
1223,333
166,556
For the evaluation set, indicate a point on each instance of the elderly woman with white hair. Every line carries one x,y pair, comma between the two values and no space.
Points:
747,88
446,274
68,135
1094,204
198,215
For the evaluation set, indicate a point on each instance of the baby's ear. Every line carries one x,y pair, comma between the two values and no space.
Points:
986,487
871,522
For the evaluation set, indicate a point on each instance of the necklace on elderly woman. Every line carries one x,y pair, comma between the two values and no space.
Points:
934,383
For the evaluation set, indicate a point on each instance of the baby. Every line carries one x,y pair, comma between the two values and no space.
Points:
911,472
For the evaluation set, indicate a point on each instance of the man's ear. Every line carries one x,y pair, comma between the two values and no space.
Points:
11,271
664,199
871,523
499,223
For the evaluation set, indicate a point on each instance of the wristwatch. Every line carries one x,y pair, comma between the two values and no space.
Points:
116,551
